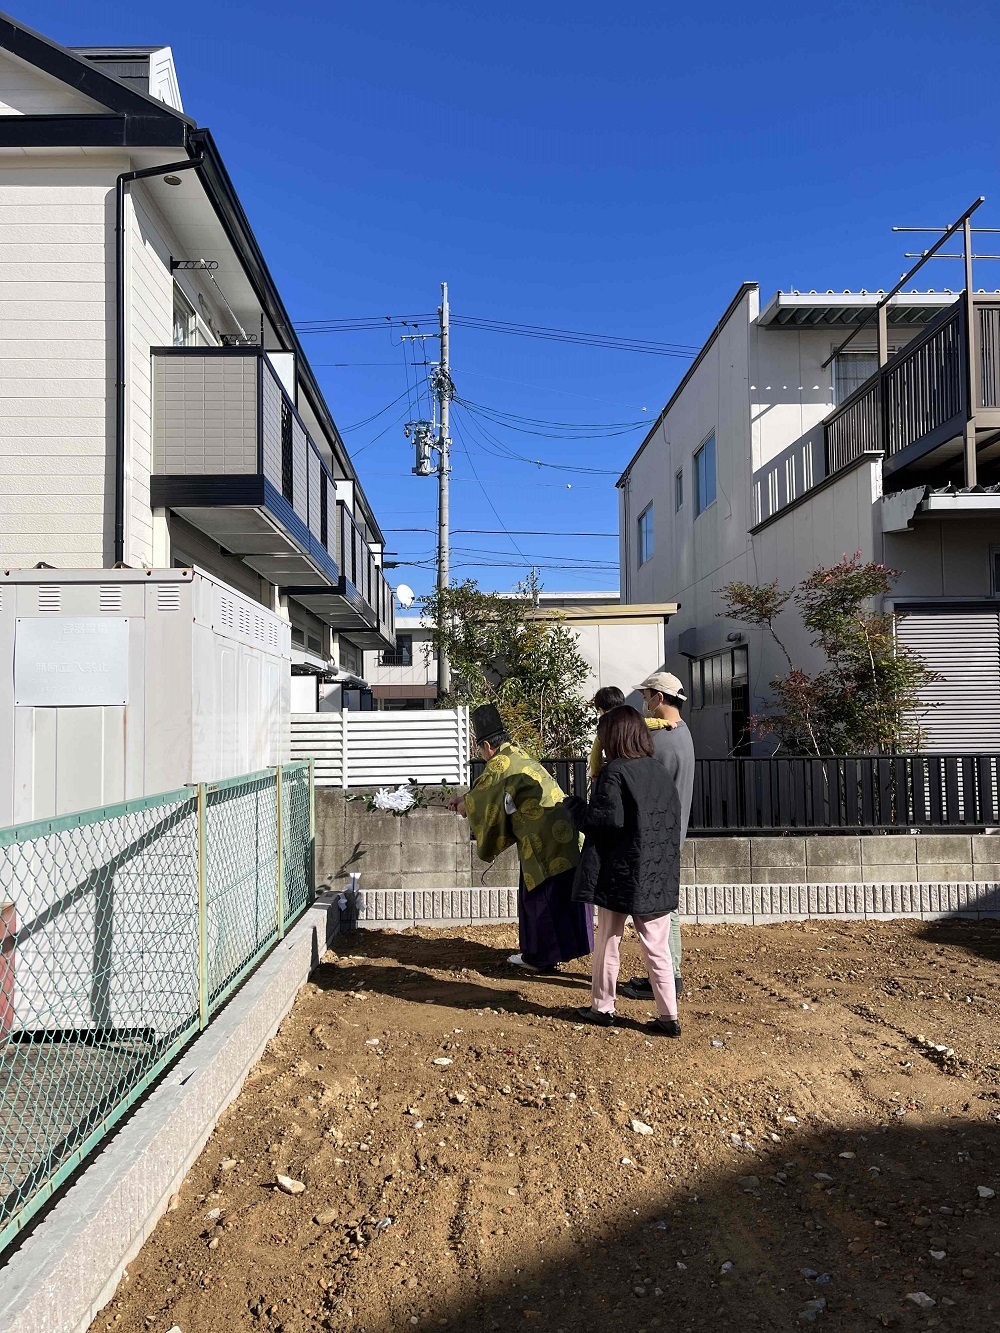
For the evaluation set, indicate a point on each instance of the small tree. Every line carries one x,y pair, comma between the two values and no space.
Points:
867,698
502,652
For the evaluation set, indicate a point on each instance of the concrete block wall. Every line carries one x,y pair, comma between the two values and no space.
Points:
424,869
426,850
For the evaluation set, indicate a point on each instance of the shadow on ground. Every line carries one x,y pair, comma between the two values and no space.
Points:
975,937
756,1248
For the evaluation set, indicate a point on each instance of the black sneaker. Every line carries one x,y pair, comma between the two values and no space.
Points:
664,1027
589,1015
638,988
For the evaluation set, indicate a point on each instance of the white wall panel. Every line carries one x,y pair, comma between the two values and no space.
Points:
55,388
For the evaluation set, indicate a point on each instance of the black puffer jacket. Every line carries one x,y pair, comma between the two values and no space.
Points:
631,856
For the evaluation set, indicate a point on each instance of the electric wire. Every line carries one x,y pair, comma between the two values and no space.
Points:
374,416
608,341
468,454
619,342
558,430
516,532
356,453
502,450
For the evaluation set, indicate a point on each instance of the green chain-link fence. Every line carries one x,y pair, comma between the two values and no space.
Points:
122,931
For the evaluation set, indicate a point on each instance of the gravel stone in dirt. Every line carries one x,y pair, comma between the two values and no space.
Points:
826,1164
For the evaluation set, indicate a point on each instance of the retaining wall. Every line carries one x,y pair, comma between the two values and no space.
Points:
424,869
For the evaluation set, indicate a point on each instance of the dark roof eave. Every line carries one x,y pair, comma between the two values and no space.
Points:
219,187
115,129
78,72
745,287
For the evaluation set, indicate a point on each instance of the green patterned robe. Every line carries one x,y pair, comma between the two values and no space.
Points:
547,843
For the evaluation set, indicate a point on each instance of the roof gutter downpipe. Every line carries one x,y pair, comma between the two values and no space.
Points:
121,356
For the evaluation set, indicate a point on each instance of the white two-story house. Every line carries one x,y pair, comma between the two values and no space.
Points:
157,412
770,460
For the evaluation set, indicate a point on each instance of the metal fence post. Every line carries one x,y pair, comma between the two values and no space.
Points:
312,829
202,908
280,857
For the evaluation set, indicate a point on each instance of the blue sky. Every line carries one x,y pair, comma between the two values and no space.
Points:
585,166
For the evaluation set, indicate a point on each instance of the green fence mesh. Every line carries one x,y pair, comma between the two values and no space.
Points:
109,934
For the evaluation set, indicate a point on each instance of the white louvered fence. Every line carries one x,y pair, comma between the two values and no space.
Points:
354,749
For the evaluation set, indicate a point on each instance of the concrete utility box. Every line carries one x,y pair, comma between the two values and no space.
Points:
116,684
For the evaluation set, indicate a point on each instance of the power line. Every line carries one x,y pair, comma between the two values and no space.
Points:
402,417
556,430
361,324
526,384
611,341
466,451
486,324
503,450
516,532
374,416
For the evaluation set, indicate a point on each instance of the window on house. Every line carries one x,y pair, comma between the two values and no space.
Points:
185,320
678,488
850,370
704,476
645,524
401,655
714,678
995,570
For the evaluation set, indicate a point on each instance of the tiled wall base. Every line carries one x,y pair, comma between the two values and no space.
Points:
751,904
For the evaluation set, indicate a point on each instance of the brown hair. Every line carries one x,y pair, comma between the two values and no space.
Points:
623,734
608,696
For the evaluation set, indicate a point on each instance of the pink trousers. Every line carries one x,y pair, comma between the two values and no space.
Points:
654,937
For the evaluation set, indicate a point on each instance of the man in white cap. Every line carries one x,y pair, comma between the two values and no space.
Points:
662,695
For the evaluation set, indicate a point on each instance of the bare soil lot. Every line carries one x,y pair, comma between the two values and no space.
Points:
470,1160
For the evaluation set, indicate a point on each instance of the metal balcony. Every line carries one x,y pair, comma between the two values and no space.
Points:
362,603
915,409
232,457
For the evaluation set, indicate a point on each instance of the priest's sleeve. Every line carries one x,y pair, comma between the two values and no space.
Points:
484,809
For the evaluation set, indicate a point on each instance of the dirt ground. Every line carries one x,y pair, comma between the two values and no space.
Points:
470,1160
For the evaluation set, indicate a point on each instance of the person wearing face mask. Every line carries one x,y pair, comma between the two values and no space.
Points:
662,696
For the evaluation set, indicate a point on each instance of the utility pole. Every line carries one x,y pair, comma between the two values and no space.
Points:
445,389
427,437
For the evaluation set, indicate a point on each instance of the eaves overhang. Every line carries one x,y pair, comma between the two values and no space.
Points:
115,129
842,310
76,71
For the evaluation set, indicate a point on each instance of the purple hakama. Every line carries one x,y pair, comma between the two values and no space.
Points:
551,927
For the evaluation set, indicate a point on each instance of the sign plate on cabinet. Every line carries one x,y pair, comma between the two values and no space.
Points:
71,661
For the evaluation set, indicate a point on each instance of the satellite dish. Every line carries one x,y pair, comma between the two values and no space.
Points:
405,595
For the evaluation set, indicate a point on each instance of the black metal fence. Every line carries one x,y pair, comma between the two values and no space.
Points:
840,793
829,795
571,774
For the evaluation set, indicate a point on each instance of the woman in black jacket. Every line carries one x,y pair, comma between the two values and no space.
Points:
630,865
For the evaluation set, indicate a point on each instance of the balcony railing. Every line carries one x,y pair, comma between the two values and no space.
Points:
915,408
362,578
233,457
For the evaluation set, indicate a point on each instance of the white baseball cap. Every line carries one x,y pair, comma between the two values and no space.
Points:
664,683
